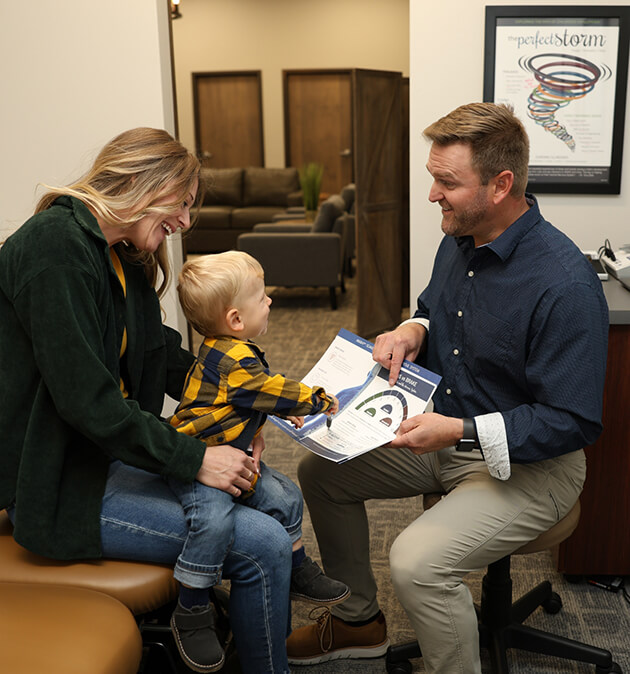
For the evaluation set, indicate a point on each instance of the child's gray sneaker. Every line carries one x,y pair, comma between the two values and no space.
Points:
196,638
308,583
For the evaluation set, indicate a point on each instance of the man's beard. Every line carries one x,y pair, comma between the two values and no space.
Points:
467,220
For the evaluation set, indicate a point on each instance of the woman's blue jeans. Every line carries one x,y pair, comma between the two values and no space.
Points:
142,520
210,514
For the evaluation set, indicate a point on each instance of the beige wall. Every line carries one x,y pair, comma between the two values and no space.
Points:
68,86
272,35
446,71
74,74
52,121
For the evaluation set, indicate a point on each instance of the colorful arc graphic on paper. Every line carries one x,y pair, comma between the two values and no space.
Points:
390,412
562,78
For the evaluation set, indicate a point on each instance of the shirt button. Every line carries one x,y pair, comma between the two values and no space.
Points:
456,352
448,391
471,273
460,313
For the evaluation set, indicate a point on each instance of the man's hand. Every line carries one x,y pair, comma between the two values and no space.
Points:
391,348
428,432
228,469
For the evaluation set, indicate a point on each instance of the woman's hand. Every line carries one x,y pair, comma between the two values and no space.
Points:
228,469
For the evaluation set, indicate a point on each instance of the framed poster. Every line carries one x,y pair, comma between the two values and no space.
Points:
564,70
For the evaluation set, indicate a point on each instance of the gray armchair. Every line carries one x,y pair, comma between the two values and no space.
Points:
348,194
302,254
343,224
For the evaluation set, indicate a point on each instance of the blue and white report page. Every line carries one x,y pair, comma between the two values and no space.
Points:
370,410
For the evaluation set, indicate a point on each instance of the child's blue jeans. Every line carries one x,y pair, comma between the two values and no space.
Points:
210,517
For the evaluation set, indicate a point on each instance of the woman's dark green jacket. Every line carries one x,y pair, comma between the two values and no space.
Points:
62,416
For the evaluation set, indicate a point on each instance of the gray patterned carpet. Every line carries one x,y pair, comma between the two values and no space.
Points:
300,328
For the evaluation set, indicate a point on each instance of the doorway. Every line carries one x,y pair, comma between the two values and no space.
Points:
318,123
226,139
223,35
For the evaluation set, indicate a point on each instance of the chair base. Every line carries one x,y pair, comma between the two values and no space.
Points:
500,628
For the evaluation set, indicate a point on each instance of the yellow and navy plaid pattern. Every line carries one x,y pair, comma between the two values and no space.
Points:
229,392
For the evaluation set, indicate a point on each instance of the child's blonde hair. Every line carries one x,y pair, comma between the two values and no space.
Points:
208,285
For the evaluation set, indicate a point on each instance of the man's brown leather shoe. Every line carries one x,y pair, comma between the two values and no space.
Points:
330,638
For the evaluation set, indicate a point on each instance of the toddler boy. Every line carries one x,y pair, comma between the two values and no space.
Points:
227,397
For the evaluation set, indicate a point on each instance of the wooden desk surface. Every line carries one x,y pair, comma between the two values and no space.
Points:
618,298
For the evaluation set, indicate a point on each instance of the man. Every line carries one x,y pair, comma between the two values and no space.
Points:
515,321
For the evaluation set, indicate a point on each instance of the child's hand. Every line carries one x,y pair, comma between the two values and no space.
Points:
298,422
258,445
334,407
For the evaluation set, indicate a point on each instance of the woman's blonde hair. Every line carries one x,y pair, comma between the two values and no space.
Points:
208,286
129,175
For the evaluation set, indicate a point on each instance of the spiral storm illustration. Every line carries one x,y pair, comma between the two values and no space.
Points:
562,78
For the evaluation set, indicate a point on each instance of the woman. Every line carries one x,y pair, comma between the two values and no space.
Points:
86,361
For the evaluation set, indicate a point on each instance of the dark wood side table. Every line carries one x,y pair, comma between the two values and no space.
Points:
601,543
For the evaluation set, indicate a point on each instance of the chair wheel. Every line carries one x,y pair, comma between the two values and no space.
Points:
615,669
573,578
553,604
403,667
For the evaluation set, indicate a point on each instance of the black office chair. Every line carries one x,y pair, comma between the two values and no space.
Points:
500,620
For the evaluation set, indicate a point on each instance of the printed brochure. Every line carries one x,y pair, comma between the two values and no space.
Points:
370,410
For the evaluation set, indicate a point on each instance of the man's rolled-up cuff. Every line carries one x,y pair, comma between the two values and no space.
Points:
425,322
494,445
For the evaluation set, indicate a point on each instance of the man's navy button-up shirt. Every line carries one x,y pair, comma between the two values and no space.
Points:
520,327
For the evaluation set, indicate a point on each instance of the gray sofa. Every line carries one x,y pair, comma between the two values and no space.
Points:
235,199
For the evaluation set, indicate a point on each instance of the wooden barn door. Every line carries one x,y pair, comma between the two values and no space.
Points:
378,175
318,123
228,119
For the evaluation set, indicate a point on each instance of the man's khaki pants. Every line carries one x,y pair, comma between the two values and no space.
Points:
480,520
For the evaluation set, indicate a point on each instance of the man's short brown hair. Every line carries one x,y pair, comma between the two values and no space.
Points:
497,139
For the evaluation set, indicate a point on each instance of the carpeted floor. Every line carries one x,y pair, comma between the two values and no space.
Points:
300,328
